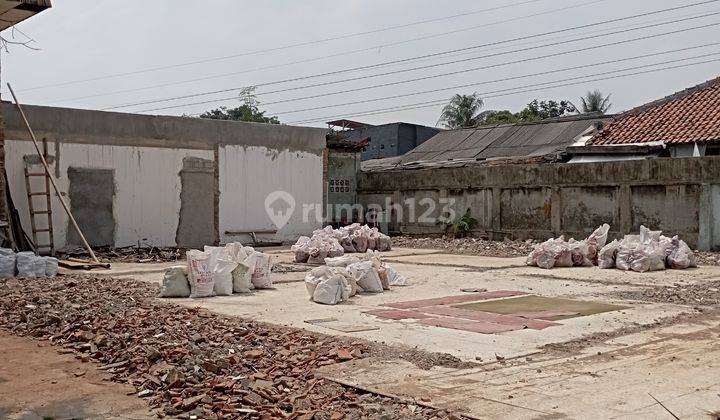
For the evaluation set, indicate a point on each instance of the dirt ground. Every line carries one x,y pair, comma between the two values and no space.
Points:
37,382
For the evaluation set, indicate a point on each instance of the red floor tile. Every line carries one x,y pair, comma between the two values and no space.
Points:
398,314
449,300
510,320
467,325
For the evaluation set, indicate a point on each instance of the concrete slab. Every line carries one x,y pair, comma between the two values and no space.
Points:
616,379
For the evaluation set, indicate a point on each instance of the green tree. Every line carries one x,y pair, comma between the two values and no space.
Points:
534,111
249,110
462,111
595,101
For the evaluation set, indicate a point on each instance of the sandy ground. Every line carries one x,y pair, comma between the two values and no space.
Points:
36,382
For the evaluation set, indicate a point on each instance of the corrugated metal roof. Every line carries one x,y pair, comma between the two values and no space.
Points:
495,142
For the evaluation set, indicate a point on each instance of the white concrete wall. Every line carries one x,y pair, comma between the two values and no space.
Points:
147,187
249,173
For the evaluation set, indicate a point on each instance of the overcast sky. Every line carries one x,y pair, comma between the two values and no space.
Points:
94,39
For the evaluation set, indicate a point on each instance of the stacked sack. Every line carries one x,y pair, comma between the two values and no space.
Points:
332,243
345,276
561,253
219,271
648,251
26,264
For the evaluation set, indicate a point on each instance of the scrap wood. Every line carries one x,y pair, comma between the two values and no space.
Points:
78,264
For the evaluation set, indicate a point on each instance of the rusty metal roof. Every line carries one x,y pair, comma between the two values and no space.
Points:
501,142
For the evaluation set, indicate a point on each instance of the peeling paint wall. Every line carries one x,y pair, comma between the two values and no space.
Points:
247,174
679,196
147,187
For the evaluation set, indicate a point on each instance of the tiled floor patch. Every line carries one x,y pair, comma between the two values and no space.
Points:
491,312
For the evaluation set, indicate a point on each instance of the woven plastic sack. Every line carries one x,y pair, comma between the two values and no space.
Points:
261,273
51,266
606,256
680,255
175,283
215,253
6,251
301,249
24,262
394,278
200,276
366,276
580,252
383,243
223,276
7,265
343,261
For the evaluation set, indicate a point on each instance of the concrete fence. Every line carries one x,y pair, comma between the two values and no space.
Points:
679,196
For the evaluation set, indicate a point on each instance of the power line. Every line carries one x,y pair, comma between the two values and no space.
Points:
459,71
366,67
428,104
520,77
344,53
283,47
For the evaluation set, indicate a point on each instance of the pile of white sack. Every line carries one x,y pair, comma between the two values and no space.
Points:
219,271
26,264
648,251
345,276
332,243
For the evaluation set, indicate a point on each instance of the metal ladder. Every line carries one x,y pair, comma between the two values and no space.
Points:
49,247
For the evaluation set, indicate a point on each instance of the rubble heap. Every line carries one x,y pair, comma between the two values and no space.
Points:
128,254
187,361
471,246
329,242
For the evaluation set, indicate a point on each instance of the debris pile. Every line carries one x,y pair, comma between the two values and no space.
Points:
329,242
561,253
218,271
345,276
470,246
648,251
128,254
188,361
704,294
26,264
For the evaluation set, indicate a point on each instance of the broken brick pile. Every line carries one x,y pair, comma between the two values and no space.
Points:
188,361
471,246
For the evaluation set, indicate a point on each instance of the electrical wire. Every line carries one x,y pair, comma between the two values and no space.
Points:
429,104
341,54
421,57
524,60
280,48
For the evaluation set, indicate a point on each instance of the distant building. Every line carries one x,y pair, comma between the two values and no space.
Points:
386,140
684,124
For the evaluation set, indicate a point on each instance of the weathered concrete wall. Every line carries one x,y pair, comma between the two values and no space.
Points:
153,191
248,175
146,204
679,196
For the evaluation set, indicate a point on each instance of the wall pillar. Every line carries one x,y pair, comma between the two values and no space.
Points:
625,210
705,219
555,211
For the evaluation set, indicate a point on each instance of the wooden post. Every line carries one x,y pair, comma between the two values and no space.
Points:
50,175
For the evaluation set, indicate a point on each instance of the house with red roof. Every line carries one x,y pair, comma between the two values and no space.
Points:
684,124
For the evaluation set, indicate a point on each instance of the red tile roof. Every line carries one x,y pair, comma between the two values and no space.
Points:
692,115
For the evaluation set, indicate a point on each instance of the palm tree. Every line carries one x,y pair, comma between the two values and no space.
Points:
595,101
462,111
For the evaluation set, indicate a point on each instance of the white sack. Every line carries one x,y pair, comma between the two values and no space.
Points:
261,273
394,278
242,279
7,265
51,266
343,261
223,276
366,276
606,256
680,255
200,276
175,283
25,264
